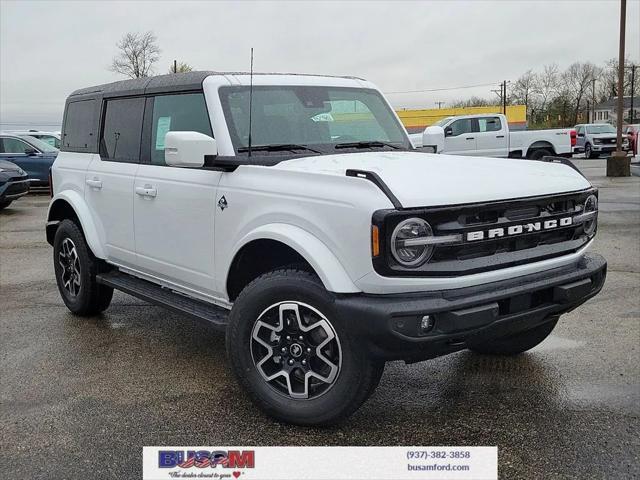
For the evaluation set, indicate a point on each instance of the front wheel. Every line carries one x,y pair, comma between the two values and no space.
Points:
518,343
294,354
588,152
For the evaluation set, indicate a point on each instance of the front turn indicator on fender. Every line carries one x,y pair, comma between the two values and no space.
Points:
375,241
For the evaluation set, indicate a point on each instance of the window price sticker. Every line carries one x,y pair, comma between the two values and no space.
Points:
321,463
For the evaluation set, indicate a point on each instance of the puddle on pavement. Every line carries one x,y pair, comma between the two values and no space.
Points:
557,343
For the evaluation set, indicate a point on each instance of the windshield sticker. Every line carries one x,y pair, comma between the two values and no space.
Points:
164,124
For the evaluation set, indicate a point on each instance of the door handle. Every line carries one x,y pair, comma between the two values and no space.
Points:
146,191
499,136
471,138
95,183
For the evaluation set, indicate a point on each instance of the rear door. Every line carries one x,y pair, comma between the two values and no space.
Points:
460,138
110,176
491,137
174,207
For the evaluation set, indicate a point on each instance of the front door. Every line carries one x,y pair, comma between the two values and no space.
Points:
460,139
174,208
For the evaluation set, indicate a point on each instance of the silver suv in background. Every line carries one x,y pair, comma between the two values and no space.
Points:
596,138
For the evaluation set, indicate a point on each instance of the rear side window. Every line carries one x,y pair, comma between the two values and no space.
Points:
489,124
177,113
121,130
79,125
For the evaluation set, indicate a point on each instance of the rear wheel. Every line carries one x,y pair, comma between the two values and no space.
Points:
518,343
538,153
293,353
75,268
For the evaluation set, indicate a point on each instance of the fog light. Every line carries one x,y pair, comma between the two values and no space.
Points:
426,323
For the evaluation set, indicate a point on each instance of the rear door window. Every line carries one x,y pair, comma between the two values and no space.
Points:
122,127
489,124
185,112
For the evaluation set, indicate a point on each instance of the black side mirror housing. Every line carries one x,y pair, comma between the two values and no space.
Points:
31,151
448,132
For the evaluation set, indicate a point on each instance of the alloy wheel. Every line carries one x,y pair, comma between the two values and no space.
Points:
70,263
296,350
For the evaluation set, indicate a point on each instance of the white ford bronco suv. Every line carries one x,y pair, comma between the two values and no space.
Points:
292,213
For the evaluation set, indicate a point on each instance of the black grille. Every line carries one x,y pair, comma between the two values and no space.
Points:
473,256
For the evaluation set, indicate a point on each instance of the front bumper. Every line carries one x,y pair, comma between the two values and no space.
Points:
390,324
13,189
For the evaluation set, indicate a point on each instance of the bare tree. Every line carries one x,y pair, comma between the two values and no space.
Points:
524,90
547,83
578,79
471,102
138,53
180,67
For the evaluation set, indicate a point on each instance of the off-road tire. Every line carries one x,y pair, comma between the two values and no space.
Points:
92,297
358,376
518,343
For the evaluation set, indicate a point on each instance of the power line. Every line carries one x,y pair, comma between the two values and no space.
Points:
441,89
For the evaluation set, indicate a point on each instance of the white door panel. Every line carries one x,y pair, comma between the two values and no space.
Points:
108,192
174,212
492,138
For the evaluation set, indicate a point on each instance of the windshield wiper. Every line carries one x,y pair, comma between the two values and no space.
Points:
277,148
367,144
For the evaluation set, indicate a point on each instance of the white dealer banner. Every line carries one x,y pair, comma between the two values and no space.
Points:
321,463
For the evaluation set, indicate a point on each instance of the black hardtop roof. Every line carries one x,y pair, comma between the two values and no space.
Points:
165,83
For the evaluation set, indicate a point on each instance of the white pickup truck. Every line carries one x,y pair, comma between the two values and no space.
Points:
488,135
317,239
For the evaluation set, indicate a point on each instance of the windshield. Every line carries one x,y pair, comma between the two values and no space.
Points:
442,122
39,144
604,128
316,119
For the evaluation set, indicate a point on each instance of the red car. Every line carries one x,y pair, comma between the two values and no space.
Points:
631,131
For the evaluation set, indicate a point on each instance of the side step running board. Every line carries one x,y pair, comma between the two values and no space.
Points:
152,293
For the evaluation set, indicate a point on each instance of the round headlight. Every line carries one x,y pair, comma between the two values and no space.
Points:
403,251
590,205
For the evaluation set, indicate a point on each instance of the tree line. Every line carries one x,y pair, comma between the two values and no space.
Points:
561,98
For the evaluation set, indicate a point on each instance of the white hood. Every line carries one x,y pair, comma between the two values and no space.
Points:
422,179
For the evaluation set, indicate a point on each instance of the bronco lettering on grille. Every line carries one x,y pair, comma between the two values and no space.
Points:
519,229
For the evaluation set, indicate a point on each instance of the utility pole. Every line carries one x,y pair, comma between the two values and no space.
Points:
504,97
439,104
175,66
618,164
593,101
633,88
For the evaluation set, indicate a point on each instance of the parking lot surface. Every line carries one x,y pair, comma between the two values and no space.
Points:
80,397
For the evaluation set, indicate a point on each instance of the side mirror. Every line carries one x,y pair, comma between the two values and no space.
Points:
433,137
31,152
581,134
187,149
448,131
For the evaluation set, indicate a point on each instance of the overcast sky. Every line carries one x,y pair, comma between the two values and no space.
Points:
48,49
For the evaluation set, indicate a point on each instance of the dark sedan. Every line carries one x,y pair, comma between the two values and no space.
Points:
32,155
14,183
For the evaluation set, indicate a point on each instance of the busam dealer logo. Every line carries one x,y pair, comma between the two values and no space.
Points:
232,459
518,229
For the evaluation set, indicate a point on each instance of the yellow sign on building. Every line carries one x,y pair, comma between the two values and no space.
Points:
416,121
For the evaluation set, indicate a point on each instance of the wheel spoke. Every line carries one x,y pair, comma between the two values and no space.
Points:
300,356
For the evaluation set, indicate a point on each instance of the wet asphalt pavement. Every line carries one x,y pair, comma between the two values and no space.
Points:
80,397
